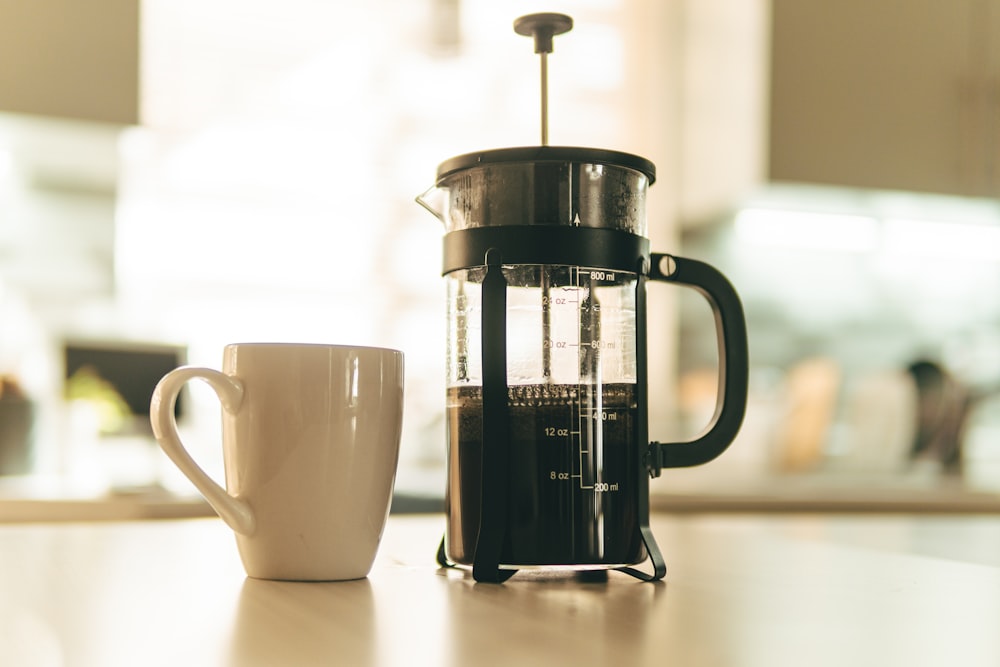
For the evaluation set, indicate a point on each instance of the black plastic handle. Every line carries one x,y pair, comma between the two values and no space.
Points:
734,363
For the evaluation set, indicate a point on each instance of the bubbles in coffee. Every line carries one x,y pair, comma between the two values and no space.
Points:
572,494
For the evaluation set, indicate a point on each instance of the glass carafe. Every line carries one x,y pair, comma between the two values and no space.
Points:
546,261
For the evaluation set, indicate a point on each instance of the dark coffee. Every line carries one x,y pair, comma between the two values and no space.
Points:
573,493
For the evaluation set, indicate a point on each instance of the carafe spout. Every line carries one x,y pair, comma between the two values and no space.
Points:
433,200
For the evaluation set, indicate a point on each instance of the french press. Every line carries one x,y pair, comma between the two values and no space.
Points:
546,264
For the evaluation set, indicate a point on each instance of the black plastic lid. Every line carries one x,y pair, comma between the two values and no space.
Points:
530,154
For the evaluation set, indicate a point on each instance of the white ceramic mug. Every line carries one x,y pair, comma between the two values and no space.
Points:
310,438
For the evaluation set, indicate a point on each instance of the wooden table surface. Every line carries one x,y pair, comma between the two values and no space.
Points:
803,590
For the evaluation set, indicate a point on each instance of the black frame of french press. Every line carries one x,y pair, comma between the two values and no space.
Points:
592,247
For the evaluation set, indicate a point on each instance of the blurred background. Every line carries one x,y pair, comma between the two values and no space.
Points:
178,175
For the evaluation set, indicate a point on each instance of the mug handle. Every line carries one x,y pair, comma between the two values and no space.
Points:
734,365
234,511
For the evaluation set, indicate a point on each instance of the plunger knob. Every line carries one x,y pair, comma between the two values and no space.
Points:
543,27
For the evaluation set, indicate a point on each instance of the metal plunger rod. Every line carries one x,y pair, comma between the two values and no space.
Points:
545,98
543,27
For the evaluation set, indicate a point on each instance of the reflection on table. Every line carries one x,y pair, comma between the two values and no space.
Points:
740,590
